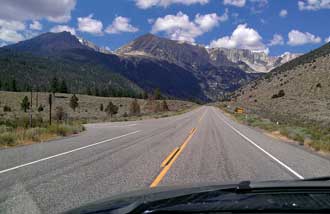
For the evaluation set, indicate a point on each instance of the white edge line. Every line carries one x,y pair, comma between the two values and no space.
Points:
68,152
264,151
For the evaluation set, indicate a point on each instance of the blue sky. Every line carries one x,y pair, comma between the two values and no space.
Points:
273,26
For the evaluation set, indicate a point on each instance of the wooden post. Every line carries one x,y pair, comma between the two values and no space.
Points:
31,110
37,99
50,101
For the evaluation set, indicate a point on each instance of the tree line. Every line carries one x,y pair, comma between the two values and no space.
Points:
60,86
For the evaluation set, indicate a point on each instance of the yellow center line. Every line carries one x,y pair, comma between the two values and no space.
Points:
167,167
169,157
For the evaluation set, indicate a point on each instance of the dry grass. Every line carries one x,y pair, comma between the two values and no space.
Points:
24,136
311,136
14,124
88,110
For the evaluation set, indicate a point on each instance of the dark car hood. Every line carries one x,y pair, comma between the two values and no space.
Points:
132,199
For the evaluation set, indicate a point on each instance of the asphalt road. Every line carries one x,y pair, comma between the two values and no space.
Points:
199,147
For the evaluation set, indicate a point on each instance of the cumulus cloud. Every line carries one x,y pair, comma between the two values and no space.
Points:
90,25
314,4
180,27
62,28
283,13
35,25
55,11
145,4
237,3
243,37
121,25
301,38
209,21
11,31
327,39
276,40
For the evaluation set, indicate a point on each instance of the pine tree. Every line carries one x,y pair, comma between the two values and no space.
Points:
164,106
145,95
111,109
96,92
54,85
25,104
89,92
157,94
134,108
74,102
13,85
63,87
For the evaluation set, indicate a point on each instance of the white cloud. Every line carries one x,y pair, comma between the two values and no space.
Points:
327,39
90,25
120,25
314,4
301,38
283,13
35,25
237,3
276,40
209,21
3,44
55,11
145,4
179,26
62,28
10,31
243,37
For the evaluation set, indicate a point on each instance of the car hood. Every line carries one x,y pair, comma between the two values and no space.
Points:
132,199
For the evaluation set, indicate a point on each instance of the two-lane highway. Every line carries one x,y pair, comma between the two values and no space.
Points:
199,147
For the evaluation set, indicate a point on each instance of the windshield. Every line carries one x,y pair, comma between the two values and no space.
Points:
101,98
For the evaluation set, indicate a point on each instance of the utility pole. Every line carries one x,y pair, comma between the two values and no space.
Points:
50,101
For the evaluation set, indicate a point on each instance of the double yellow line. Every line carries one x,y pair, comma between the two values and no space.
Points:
171,158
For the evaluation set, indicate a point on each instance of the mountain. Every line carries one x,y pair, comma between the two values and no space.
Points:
91,45
214,79
48,44
63,48
252,62
219,70
178,69
298,89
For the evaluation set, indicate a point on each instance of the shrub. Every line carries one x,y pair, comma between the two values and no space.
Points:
6,108
164,106
111,109
65,129
281,93
60,114
25,104
40,108
74,102
8,139
134,108
4,128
